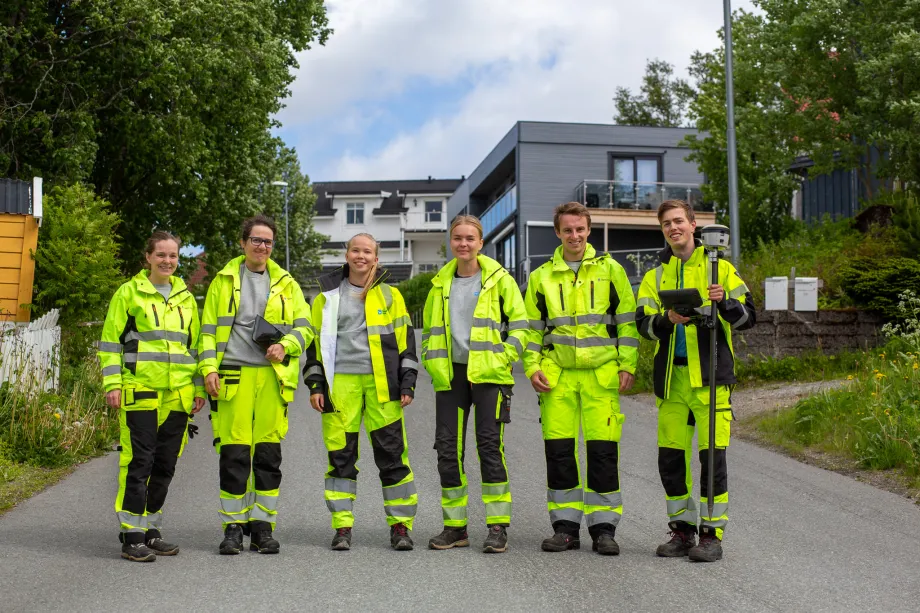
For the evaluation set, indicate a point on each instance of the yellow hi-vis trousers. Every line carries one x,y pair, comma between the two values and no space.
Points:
249,420
684,409
354,397
154,431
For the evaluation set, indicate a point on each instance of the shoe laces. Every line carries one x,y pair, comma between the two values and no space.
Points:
683,537
343,531
706,539
400,529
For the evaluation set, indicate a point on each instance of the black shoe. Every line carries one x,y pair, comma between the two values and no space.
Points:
709,549
160,547
262,540
680,544
342,539
138,552
561,541
496,541
450,537
605,545
399,538
233,540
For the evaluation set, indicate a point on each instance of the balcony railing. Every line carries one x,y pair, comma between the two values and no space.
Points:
638,196
499,211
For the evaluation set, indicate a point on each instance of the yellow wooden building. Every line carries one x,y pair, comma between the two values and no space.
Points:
20,218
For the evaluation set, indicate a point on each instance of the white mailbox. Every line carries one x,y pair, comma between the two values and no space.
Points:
776,291
806,294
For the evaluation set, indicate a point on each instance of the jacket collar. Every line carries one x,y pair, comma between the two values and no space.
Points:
559,262
489,269
665,255
142,281
334,279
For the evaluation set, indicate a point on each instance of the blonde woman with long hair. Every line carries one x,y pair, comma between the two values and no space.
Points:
475,329
362,364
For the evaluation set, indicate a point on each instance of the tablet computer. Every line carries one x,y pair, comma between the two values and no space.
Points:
681,301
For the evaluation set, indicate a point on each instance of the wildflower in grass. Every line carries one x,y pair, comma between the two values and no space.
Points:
850,377
916,365
879,375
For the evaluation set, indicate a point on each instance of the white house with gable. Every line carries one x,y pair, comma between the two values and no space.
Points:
408,219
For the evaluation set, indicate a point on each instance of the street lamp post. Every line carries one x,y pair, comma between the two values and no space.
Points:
733,221
287,245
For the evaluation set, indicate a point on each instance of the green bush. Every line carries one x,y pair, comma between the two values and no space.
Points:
878,282
76,263
814,366
415,292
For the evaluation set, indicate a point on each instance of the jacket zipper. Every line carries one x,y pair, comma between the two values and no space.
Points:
181,319
592,295
156,317
282,308
232,298
561,297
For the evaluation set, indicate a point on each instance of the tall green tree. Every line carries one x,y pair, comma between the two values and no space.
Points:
663,99
165,106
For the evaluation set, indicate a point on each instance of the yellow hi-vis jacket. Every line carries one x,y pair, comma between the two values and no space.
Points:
736,312
148,340
390,337
286,308
585,320
497,337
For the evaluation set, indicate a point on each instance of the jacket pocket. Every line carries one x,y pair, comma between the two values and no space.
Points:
608,375
229,383
615,421
139,398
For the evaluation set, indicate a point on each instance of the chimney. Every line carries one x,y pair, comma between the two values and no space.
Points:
429,178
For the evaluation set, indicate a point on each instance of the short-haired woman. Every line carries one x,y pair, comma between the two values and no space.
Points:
475,329
363,365
149,363
252,376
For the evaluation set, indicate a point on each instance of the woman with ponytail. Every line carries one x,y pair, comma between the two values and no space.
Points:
362,363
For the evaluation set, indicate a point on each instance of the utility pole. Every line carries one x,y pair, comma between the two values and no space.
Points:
733,221
287,245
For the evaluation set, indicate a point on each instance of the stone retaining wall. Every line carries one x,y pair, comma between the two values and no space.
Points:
782,333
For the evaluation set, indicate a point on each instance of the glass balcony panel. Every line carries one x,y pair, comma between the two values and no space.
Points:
639,195
499,211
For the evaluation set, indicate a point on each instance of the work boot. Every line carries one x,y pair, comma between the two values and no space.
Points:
233,540
496,541
450,537
261,539
342,539
160,547
561,541
680,544
138,552
605,545
709,549
399,538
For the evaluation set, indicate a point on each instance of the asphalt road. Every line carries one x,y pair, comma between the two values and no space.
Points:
800,539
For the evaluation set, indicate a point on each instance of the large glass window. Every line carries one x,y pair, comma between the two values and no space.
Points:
505,252
634,178
433,211
354,213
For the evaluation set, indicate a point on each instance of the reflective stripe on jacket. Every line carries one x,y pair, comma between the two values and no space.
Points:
149,340
584,320
736,312
497,337
286,308
390,337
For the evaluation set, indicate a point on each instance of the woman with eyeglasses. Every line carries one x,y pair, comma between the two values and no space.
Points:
149,362
255,325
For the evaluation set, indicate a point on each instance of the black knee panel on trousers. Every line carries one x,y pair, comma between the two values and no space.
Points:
721,477
234,468
603,466
561,463
448,463
344,461
169,442
142,426
388,447
672,466
266,466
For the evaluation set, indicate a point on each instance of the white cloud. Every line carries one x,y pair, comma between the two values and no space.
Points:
544,60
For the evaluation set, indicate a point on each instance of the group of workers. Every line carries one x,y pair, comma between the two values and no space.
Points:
576,330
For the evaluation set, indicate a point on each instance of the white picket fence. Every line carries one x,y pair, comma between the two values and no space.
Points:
29,355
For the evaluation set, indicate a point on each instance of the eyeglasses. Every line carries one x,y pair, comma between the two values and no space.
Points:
258,241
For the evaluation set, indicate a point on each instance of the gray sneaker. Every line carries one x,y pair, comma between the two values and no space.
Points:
496,540
679,545
449,538
160,547
138,552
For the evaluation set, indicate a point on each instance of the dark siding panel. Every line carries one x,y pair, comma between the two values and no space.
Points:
15,197
831,195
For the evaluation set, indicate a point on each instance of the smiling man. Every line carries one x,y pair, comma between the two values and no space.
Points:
681,376
582,352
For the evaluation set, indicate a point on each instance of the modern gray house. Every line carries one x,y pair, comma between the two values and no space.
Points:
621,172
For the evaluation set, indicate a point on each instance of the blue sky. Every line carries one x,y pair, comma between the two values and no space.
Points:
405,89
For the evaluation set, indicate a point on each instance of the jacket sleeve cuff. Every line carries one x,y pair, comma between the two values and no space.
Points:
112,386
206,369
